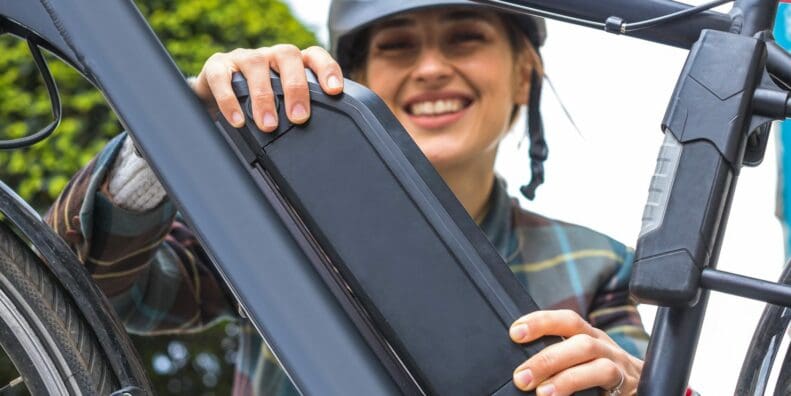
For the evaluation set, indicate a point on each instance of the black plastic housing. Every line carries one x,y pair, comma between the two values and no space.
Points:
379,213
707,125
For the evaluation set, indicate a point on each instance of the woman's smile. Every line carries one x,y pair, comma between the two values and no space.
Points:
437,110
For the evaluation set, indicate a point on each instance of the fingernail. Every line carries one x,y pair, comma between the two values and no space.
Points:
546,390
522,379
333,82
237,118
299,112
269,121
518,332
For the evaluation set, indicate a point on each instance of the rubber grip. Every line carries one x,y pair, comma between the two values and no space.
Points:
661,184
688,194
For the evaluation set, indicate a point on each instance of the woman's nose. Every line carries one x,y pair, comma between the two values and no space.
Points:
432,67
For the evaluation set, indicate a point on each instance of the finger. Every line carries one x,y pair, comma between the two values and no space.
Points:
557,357
254,64
602,335
288,62
602,373
563,323
327,69
201,88
218,76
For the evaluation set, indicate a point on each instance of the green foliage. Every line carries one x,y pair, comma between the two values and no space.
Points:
191,30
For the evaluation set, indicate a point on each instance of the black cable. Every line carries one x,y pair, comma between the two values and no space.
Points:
621,26
631,27
54,98
508,6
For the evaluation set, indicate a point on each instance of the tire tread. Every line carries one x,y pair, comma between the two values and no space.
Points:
57,313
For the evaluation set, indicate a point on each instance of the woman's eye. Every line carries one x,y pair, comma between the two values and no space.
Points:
395,45
460,38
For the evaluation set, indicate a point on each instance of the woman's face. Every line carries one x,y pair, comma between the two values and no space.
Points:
452,78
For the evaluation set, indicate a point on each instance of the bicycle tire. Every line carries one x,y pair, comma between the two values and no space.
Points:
764,346
47,339
783,385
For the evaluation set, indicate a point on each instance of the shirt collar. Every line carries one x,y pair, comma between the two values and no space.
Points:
497,223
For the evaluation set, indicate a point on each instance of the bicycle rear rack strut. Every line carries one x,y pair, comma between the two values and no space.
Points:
744,286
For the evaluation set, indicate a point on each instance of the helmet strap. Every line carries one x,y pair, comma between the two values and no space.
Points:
535,132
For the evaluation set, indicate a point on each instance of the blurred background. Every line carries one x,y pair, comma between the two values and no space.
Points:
615,89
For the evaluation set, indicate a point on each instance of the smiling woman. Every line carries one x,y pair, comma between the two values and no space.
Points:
442,60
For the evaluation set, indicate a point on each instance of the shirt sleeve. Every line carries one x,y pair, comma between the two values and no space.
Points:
615,312
149,264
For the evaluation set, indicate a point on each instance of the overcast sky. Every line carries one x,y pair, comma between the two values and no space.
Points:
616,89
314,14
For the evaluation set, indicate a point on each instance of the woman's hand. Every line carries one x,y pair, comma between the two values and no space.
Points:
213,85
587,358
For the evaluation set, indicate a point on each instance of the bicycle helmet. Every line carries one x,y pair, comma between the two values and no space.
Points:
348,18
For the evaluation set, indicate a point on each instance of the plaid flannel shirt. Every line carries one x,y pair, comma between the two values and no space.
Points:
159,278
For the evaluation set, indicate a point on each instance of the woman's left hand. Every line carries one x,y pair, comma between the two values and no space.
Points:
587,358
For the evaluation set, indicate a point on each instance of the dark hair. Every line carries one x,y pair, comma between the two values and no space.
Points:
515,34
358,53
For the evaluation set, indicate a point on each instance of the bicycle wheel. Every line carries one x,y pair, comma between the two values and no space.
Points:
764,346
44,335
783,386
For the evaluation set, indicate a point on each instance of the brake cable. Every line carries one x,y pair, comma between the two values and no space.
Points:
613,24
54,97
649,23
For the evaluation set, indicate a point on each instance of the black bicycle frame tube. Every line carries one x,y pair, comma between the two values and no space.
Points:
777,293
753,16
671,349
30,20
682,33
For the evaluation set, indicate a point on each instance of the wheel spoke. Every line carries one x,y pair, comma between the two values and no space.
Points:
13,384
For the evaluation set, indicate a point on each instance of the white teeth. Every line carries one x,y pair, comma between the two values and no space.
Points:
436,107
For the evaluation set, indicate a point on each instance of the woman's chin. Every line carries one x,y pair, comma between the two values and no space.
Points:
442,151
441,159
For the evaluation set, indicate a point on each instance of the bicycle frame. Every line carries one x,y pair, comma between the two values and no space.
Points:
122,57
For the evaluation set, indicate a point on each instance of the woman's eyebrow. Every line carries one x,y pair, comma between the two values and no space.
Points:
452,16
463,15
395,23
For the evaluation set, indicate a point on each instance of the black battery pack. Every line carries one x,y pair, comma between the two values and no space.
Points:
393,238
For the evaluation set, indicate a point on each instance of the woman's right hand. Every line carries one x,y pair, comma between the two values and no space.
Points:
213,84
